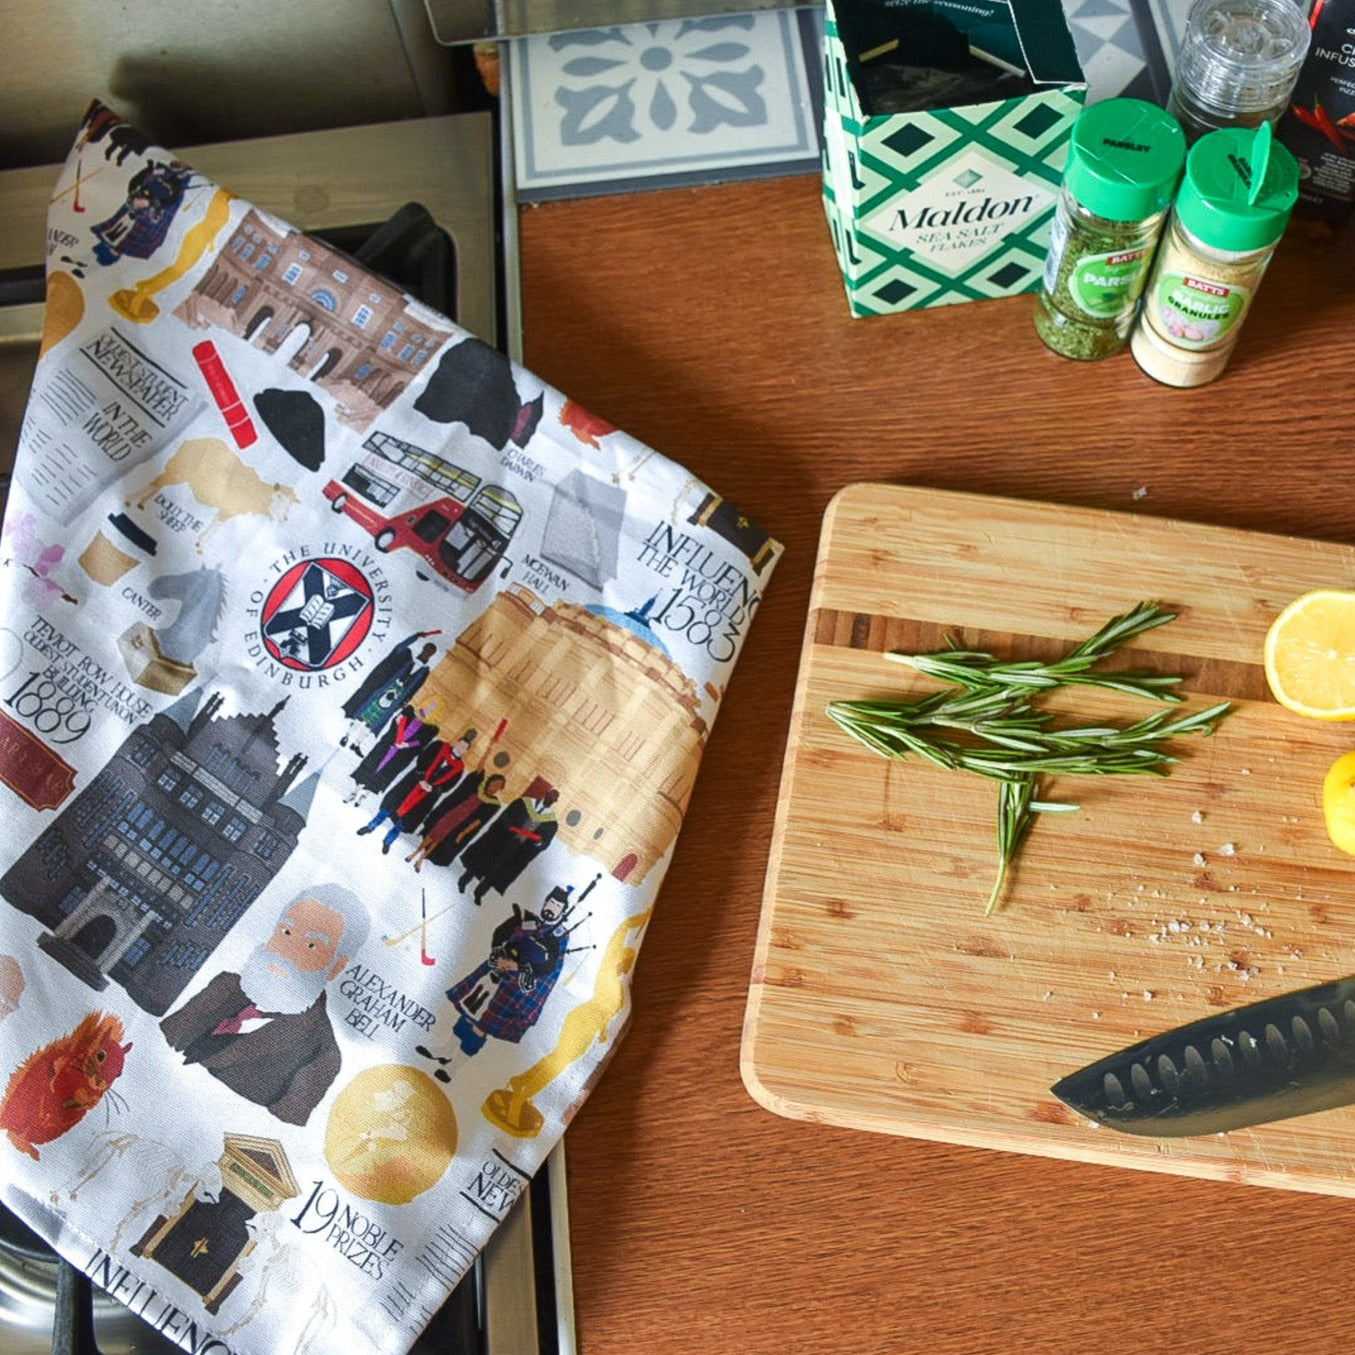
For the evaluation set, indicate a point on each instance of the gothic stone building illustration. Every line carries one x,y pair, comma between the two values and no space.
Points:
597,708
360,338
140,877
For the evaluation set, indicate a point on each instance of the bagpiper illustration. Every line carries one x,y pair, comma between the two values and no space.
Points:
502,998
138,228
511,1107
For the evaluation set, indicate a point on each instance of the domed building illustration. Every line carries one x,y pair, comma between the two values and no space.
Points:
144,872
596,707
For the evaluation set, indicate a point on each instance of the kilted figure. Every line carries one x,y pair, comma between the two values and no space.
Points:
386,688
138,228
503,997
393,753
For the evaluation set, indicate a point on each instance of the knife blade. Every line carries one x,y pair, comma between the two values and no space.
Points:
1284,1056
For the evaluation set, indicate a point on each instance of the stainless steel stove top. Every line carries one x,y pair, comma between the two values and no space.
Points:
328,182
350,176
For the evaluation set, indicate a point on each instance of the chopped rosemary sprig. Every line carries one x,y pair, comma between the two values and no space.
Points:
991,728
1023,746
978,671
1016,810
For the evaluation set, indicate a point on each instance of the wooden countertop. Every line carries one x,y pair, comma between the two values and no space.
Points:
712,324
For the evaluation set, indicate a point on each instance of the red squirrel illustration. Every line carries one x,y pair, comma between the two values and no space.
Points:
53,1088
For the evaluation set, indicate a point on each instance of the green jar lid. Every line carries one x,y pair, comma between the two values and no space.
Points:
1125,159
1239,188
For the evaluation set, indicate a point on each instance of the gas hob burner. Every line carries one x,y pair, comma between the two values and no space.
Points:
47,1306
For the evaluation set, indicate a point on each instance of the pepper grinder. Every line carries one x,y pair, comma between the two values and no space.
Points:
1238,63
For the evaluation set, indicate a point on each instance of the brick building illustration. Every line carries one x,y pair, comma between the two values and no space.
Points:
359,338
144,872
600,710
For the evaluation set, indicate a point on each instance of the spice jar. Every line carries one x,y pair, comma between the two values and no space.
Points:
1124,161
1238,63
1236,196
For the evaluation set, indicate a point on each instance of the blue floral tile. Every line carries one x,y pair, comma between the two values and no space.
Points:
1108,45
648,105
1127,47
611,110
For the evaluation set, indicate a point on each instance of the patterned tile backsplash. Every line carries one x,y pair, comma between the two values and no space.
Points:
599,109
636,106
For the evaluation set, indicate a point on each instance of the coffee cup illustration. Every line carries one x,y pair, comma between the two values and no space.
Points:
106,559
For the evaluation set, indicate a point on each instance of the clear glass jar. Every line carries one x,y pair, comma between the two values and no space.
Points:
1238,63
1094,275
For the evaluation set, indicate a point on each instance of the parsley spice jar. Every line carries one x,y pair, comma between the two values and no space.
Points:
1235,200
1124,161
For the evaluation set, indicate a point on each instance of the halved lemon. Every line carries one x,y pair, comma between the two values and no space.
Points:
1338,802
1310,655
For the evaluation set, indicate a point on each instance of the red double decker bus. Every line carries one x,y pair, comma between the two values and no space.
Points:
410,499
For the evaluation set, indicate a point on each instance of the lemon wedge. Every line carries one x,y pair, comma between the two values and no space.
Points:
1310,655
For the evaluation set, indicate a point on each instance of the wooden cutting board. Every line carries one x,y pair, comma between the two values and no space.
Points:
882,998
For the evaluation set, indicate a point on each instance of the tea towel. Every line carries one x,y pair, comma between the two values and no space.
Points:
353,683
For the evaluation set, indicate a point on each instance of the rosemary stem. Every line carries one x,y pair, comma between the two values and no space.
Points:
996,893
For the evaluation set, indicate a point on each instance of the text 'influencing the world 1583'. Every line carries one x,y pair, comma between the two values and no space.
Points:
711,601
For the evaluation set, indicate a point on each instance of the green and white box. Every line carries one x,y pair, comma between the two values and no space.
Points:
945,204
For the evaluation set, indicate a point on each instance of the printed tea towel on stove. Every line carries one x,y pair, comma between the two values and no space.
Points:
353,683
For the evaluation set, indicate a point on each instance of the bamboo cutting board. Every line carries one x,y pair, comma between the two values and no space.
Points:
882,998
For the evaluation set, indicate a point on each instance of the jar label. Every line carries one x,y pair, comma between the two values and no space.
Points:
1197,312
1058,242
1107,285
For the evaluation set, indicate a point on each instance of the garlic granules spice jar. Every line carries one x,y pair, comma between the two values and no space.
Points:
1234,203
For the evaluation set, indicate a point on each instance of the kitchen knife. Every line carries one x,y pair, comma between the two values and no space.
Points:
1285,1056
